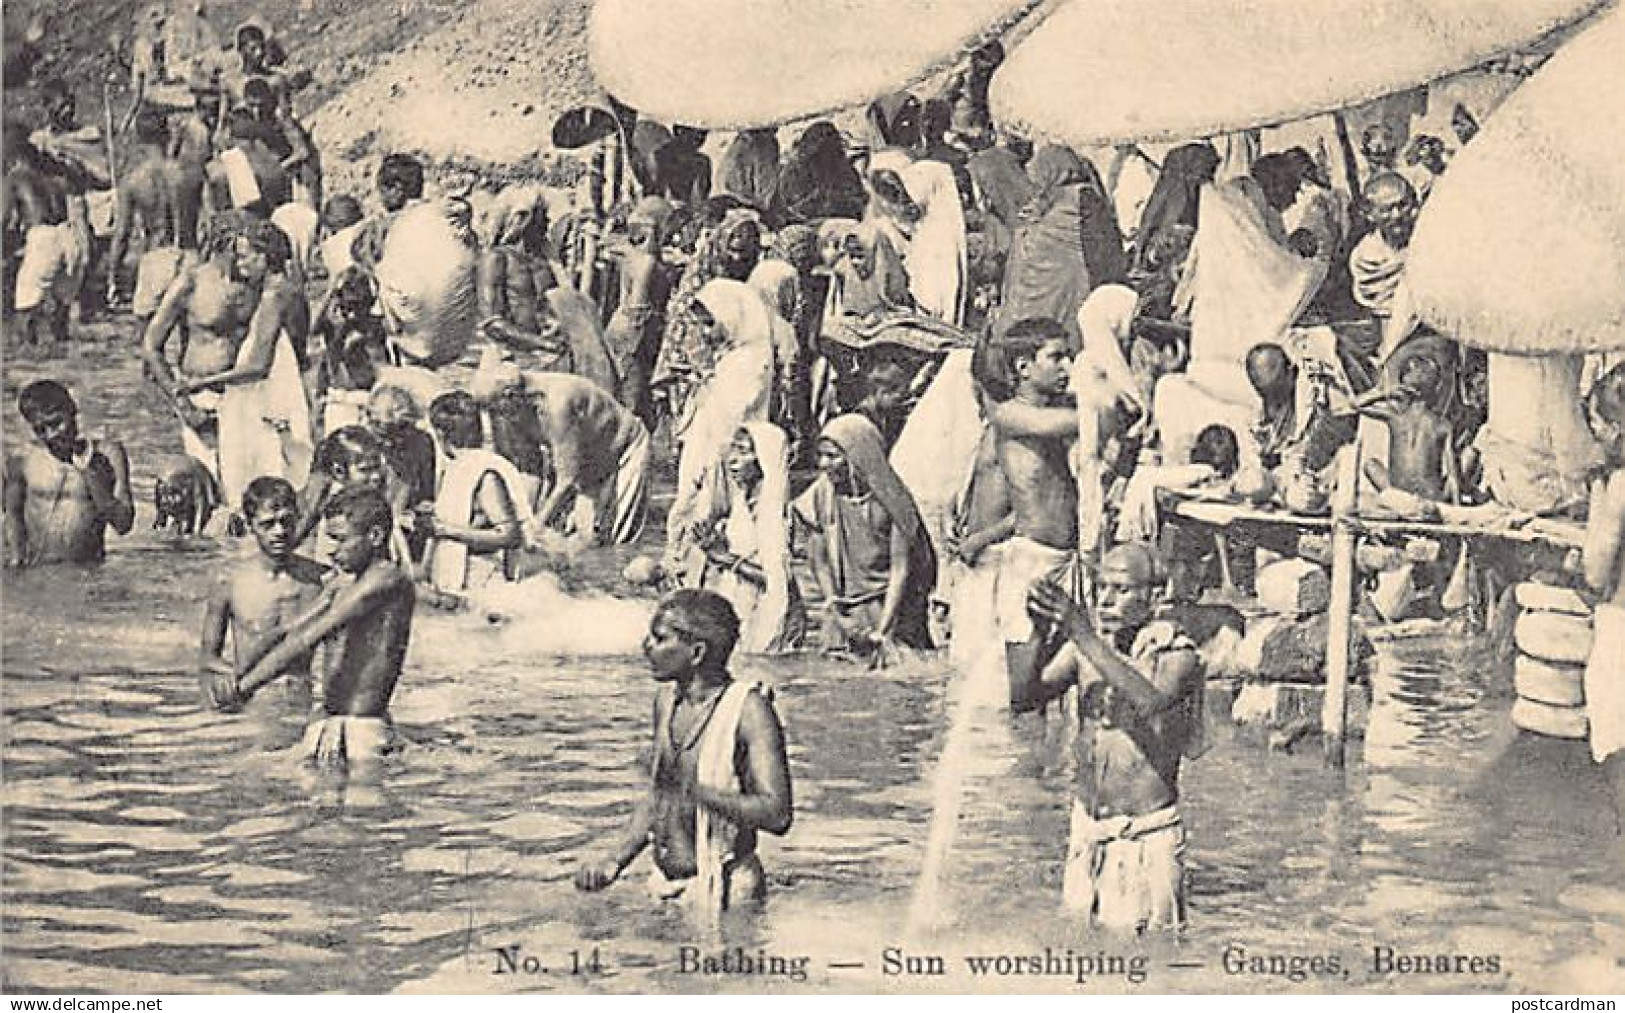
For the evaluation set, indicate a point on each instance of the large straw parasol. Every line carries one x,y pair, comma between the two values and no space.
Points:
1107,71
733,64
1521,247
1521,251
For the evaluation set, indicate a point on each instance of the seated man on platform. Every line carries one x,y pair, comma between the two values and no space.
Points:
1294,421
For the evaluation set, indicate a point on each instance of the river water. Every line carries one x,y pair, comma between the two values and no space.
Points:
153,846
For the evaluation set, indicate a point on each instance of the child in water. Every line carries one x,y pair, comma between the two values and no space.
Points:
363,618
721,773
264,591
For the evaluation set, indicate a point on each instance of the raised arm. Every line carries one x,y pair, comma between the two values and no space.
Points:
115,505
1018,419
1147,697
302,636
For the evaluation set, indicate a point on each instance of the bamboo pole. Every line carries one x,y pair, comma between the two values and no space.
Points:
1334,709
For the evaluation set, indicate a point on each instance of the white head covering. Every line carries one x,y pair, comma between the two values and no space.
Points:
779,286
1102,372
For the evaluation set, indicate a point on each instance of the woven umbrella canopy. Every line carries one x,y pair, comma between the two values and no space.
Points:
1521,246
734,64
1099,72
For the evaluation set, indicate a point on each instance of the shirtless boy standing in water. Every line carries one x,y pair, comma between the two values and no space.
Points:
266,591
1035,430
63,492
363,620
720,772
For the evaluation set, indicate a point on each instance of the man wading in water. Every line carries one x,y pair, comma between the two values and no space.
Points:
63,492
720,770
1139,713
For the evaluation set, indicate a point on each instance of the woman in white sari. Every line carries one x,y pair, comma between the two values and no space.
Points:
742,540
739,390
928,223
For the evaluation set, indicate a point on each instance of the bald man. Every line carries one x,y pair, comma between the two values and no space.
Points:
1378,261
1139,714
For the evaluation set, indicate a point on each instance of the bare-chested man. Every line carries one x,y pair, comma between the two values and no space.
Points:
1139,714
63,492
217,298
36,205
1604,563
262,593
721,773
515,278
1035,430
161,199
596,447
363,619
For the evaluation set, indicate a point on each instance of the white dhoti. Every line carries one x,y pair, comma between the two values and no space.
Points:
49,266
1023,564
977,648
204,446
1127,872
623,501
265,428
